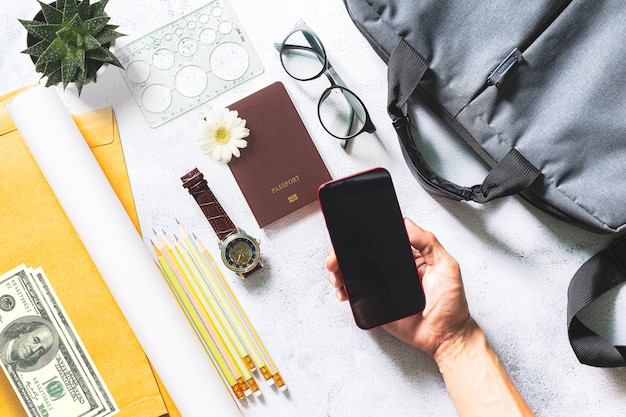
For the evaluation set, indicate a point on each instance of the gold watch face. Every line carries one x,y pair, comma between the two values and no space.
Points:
240,252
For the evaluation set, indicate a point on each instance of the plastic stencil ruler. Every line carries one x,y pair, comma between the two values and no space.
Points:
188,62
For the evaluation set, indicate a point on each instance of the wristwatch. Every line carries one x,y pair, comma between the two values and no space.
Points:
240,251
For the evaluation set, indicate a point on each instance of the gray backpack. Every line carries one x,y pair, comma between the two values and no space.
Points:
537,90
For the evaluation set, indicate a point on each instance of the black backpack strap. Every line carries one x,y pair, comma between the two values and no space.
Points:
405,70
511,175
603,272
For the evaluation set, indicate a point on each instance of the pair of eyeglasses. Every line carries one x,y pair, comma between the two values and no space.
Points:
342,114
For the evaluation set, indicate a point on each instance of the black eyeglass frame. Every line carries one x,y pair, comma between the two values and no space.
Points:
336,83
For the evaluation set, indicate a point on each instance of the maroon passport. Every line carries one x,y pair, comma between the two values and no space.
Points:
280,170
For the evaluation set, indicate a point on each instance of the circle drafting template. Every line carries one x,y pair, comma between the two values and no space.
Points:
188,62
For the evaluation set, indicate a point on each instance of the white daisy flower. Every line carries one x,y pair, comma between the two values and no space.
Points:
220,134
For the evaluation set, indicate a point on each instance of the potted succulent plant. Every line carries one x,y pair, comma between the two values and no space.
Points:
70,40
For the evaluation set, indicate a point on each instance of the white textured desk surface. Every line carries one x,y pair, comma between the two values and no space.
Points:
516,261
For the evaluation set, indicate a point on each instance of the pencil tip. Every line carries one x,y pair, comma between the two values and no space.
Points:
176,220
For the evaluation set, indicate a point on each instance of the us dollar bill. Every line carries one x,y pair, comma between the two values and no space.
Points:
42,354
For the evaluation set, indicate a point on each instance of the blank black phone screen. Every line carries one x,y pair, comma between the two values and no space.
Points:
367,231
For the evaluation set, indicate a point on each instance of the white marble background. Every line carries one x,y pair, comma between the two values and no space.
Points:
516,261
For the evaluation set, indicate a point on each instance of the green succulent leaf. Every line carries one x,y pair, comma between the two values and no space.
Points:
96,24
60,4
83,9
51,14
47,67
29,24
104,55
90,42
70,65
80,78
37,49
92,72
53,77
70,11
97,9
41,30
107,34
78,57
97,55
74,24
55,51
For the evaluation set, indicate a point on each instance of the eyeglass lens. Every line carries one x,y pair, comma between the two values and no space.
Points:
341,113
302,57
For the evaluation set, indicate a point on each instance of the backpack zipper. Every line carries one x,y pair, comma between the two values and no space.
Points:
516,55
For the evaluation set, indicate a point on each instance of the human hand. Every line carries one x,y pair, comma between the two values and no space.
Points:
446,316
474,377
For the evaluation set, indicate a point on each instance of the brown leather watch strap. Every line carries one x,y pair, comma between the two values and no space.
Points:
197,186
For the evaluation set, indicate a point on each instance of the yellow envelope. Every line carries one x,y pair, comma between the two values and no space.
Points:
34,230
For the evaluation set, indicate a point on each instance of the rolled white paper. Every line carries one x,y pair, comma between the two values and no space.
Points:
119,253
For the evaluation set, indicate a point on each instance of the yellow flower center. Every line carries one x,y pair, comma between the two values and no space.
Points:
222,135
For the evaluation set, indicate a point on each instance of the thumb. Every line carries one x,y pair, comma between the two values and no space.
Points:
424,241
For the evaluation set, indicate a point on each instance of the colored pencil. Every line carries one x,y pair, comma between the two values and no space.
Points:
209,317
228,322
266,365
214,313
219,322
198,326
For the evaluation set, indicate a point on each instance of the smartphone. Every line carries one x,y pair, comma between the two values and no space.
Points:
367,231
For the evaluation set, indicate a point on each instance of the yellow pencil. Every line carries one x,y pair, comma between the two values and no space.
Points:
182,274
211,318
203,280
210,283
219,342
266,365
227,299
208,344
221,322
209,273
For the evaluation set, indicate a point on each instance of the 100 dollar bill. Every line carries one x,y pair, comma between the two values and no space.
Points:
42,354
